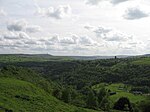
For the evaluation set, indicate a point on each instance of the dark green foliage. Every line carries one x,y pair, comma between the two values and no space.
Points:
103,100
66,95
123,104
91,100
27,75
105,103
88,73
144,89
57,93
145,105
101,94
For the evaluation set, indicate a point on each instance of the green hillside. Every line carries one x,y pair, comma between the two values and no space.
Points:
121,90
71,83
142,61
22,96
5,58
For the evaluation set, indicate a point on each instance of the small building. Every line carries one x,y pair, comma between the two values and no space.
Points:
112,93
137,92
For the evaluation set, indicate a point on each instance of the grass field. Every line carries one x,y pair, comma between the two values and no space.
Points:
142,61
121,90
22,96
35,58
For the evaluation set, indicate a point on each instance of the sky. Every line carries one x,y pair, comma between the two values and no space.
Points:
75,27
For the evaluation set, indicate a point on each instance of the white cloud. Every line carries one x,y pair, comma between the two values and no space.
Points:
69,40
135,13
133,46
33,28
109,34
25,34
2,12
23,25
55,38
78,40
72,43
59,12
116,37
50,40
87,41
15,35
97,2
31,42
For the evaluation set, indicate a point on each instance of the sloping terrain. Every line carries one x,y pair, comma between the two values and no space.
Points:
22,90
22,96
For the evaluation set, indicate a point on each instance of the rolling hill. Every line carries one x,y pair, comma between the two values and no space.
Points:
22,96
22,90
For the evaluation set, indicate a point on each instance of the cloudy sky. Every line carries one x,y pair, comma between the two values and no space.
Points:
75,27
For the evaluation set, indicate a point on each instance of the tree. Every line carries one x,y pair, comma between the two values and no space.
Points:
101,94
57,93
103,99
145,106
123,104
66,96
91,100
105,104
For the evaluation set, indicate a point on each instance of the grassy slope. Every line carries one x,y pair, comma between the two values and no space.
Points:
23,96
120,93
35,58
142,61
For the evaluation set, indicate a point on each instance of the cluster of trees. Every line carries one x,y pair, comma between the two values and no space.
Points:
143,89
145,106
89,99
123,104
87,73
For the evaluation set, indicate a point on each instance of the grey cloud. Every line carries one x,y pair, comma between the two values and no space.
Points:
115,2
55,38
1,37
9,46
31,42
59,12
93,2
88,27
17,25
23,25
134,13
